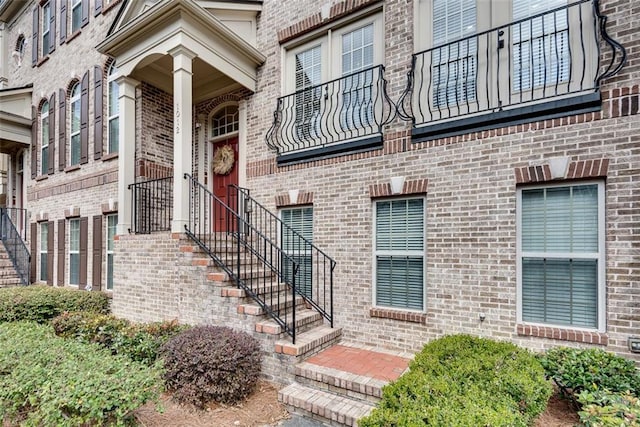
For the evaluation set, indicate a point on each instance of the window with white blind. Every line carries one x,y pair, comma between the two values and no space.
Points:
44,141
74,251
300,221
113,107
46,28
74,135
454,65
76,15
44,250
399,253
561,255
541,45
112,223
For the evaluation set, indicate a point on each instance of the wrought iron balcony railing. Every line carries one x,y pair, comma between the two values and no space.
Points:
13,241
535,67
152,205
343,115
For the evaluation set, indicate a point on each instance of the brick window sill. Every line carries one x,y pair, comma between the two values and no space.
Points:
42,177
72,168
109,156
574,335
405,316
73,36
42,60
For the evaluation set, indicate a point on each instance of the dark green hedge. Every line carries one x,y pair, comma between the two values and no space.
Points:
43,303
51,381
465,381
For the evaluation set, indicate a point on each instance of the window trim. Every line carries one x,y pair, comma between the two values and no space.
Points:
75,99
45,22
215,111
44,243
73,252
109,252
601,255
112,75
44,142
375,254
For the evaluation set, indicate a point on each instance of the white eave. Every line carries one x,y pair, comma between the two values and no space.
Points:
172,22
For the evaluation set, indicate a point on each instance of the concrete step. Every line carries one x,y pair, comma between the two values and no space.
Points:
305,320
358,387
309,342
327,407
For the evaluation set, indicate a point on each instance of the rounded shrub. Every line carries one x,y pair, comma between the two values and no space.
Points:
575,370
461,380
141,342
211,363
43,303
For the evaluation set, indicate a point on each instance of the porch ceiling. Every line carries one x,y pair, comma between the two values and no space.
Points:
141,48
15,119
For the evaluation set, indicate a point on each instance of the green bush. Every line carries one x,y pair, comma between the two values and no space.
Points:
42,303
211,363
48,380
141,342
575,370
465,381
602,408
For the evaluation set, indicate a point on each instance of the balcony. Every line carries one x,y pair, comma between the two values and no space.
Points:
345,115
545,66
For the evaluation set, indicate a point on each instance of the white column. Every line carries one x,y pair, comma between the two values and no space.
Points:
127,149
182,134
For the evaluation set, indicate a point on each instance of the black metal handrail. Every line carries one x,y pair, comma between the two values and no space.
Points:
256,263
350,107
19,218
315,282
152,205
15,246
551,55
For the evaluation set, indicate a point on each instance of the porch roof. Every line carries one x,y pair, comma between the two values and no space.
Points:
141,47
15,118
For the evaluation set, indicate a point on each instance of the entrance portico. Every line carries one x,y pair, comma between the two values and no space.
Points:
182,49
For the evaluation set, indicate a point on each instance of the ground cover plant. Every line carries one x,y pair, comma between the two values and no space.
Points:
43,303
211,363
461,380
141,342
604,386
52,381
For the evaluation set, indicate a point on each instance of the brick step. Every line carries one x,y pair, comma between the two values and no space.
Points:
358,387
253,309
327,407
220,278
259,288
305,320
10,281
310,342
6,263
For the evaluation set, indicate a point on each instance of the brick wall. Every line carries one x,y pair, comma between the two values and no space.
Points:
154,142
471,197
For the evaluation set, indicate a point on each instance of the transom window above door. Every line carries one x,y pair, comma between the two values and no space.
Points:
224,122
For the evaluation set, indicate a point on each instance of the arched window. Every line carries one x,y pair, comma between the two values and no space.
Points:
18,52
113,127
44,134
74,142
224,121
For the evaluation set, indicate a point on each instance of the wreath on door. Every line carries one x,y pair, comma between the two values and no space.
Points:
223,160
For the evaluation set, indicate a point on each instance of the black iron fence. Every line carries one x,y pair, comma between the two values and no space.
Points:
552,55
14,242
152,205
244,240
355,106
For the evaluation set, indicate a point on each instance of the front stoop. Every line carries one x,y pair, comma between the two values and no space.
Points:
8,275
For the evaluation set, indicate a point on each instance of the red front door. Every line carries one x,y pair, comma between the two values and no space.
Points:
220,187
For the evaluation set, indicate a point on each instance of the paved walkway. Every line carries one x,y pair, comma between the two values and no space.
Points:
359,361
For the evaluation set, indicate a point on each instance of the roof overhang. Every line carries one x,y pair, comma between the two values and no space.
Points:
15,119
182,23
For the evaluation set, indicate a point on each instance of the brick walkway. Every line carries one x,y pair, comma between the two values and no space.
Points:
382,366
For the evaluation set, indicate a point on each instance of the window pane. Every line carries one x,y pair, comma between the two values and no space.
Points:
301,221
399,282
114,136
75,149
43,266
560,219
76,17
400,225
560,291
